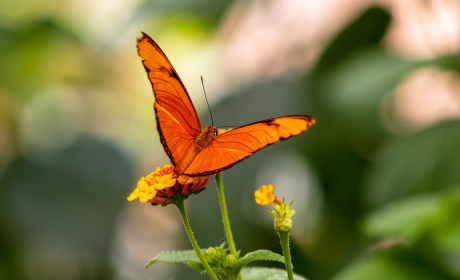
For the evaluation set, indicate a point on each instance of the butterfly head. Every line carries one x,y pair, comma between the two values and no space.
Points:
211,128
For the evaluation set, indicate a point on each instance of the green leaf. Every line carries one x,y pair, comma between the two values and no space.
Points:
402,171
262,273
188,258
260,255
415,216
407,218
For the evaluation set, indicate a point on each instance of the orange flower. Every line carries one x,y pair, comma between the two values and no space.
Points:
163,186
264,195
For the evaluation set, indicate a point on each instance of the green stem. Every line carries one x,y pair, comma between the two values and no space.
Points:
180,205
223,208
284,237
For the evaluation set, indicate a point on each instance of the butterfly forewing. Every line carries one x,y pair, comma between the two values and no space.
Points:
177,120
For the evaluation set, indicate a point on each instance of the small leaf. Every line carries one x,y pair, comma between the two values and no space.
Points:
262,273
238,253
188,258
260,255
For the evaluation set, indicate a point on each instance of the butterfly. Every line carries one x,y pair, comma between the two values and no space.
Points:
195,151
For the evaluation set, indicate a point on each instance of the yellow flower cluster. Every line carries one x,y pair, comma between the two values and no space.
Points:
264,195
148,186
164,186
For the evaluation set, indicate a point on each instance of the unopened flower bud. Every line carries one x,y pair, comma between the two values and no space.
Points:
283,224
210,255
229,261
283,214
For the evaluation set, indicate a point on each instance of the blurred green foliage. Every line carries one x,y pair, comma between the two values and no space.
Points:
390,201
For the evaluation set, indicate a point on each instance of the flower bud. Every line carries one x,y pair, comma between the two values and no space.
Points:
210,255
283,224
229,261
283,214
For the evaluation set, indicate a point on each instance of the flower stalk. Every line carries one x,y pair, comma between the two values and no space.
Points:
282,223
284,238
225,219
223,208
181,207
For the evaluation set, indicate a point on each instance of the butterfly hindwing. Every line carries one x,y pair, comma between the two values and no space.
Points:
235,145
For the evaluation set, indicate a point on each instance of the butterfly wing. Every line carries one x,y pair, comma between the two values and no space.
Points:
235,145
177,120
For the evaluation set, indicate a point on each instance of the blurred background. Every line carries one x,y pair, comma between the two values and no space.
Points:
376,181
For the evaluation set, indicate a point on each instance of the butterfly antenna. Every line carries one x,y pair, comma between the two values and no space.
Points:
212,121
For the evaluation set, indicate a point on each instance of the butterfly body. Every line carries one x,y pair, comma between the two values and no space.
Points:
202,141
204,138
195,151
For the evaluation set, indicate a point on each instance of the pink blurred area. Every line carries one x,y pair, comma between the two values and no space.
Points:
259,43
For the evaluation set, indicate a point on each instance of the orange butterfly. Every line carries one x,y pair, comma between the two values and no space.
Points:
195,151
